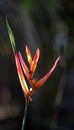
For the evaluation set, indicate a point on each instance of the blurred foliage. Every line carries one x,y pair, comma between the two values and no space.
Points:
28,4
5,50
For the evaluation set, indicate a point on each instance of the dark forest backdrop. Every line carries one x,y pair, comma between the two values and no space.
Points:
49,26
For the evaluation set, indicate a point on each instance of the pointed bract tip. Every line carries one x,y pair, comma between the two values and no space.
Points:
27,49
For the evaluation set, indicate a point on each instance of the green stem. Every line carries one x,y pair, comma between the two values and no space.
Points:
25,113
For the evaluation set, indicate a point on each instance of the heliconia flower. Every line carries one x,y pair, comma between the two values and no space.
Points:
29,72
33,82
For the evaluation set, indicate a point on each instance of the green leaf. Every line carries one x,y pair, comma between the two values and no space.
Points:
11,36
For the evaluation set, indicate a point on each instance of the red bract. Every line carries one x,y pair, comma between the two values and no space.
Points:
22,67
22,78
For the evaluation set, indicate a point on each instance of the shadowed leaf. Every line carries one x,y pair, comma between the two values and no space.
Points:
11,36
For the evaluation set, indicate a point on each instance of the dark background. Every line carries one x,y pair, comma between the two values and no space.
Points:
49,26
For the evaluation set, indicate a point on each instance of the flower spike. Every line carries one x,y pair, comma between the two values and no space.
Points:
21,67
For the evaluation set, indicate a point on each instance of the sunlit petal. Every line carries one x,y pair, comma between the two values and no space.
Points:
29,57
34,62
43,80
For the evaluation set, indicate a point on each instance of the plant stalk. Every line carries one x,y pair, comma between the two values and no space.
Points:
25,114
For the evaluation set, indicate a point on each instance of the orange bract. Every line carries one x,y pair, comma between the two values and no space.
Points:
29,57
43,80
32,63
